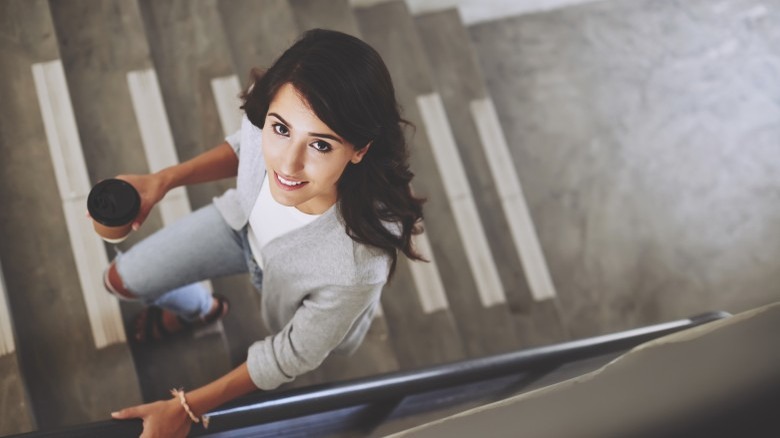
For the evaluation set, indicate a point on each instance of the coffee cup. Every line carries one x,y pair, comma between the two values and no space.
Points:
113,205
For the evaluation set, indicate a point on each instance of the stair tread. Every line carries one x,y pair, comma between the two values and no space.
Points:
331,14
258,32
459,80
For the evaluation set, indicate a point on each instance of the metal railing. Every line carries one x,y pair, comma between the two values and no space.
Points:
265,407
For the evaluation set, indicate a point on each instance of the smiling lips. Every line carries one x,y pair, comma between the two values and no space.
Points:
288,184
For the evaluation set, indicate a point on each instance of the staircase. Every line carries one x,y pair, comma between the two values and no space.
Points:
93,89
645,133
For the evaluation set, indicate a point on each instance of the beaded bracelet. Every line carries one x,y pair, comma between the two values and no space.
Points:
179,393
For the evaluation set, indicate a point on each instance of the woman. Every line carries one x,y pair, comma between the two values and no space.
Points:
321,208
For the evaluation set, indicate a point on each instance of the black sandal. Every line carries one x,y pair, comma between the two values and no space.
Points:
149,325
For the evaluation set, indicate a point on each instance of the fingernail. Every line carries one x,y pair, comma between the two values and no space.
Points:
136,226
114,414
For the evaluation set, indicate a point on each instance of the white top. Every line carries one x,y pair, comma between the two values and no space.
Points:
270,219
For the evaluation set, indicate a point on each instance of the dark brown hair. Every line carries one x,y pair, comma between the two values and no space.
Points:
348,86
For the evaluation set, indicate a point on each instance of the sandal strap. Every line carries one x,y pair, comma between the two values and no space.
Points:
220,312
154,319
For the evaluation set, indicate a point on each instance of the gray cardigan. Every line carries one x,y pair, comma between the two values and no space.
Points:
320,288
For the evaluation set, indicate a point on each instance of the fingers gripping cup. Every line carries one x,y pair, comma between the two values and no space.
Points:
113,205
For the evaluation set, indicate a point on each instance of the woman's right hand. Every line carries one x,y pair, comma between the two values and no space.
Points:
214,164
151,188
163,419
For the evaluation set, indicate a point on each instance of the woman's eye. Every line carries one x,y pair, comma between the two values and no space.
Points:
321,146
280,129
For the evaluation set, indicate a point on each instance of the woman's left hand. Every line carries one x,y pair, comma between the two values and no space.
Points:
161,419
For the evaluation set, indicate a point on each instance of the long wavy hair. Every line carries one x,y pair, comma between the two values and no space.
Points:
348,86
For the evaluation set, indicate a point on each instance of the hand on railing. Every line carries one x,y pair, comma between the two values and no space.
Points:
161,419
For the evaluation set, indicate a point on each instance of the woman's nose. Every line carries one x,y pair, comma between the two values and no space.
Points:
292,158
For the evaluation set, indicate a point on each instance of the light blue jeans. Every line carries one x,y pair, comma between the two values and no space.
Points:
166,268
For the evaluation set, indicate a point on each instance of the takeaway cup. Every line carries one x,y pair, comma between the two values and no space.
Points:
113,205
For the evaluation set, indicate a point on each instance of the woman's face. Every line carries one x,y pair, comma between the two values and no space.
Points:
303,156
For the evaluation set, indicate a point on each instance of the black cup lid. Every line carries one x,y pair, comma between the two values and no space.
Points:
113,202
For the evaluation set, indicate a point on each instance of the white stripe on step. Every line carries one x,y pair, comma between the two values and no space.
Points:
430,289
6,331
510,192
157,141
489,287
157,138
226,91
73,183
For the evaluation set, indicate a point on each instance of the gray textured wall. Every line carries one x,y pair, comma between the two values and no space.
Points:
646,134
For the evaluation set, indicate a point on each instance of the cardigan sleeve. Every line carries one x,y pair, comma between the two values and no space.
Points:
319,325
234,140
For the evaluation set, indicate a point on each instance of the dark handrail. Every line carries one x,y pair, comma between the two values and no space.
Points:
263,407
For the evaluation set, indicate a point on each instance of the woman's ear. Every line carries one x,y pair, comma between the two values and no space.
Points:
359,154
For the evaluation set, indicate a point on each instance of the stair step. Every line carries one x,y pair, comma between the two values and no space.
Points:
57,343
467,270
15,413
258,32
330,14
421,335
15,416
15,410
487,162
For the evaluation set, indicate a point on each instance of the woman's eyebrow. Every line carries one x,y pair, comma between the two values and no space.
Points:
313,134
